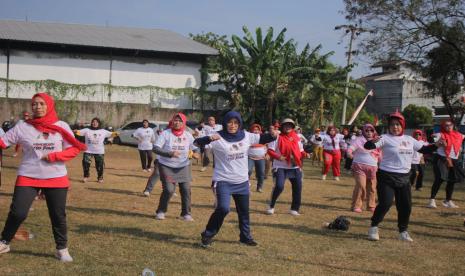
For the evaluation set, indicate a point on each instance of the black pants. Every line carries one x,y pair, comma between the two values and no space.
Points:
437,185
420,169
295,177
442,173
146,158
99,164
393,185
21,203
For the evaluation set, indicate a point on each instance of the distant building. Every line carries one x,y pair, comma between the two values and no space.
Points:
119,74
395,87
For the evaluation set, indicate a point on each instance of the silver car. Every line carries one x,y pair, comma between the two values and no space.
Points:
125,132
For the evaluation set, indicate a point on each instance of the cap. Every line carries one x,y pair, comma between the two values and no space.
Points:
288,121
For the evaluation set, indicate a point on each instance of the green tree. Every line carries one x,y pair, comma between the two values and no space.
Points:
417,115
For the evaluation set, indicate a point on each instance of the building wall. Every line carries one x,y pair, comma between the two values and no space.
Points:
415,92
387,96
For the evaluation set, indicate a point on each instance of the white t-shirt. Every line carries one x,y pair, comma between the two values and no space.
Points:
35,145
442,150
278,163
417,156
94,139
168,141
362,155
316,142
397,152
231,158
257,151
328,143
209,130
146,138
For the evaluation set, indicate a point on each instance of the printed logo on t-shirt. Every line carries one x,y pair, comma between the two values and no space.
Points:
235,152
94,139
405,147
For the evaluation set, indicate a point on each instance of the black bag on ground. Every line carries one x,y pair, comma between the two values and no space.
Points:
340,223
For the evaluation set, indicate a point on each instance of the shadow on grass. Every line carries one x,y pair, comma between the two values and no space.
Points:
115,191
205,187
131,175
32,253
108,212
312,231
6,194
312,205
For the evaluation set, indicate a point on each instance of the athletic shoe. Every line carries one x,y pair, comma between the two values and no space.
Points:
15,154
449,204
294,213
206,241
63,255
404,236
84,180
337,178
270,211
372,209
4,247
432,203
260,190
144,170
323,177
203,169
149,170
100,180
373,234
250,242
186,218
160,216
357,210
146,193
175,194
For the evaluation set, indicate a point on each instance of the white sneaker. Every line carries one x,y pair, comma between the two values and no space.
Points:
432,203
270,211
63,255
373,234
84,180
404,236
337,178
146,193
323,177
149,170
294,213
160,216
4,248
187,218
175,194
449,204
144,170
203,169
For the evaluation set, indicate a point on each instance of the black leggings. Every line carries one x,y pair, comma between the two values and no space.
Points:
21,203
437,185
420,168
146,158
390,186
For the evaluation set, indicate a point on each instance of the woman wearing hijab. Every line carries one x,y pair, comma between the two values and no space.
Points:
145,139
257,157
446,165
332,152
418,164
47,143
230,175
364,167
288,153
393,175
173,147
94,139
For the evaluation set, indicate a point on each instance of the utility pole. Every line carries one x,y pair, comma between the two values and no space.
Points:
353,30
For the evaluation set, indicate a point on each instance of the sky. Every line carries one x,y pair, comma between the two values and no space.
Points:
307,21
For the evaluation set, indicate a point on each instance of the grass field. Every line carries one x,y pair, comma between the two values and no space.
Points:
112,231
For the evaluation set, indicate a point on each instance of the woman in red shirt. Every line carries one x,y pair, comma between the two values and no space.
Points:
47,143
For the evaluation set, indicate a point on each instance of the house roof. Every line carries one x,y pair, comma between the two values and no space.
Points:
155,40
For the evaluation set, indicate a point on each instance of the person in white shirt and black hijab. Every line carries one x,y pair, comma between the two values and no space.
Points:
393,175
230,147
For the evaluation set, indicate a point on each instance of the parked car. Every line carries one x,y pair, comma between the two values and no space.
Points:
126,131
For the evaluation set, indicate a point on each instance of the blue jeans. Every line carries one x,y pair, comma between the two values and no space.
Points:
259,171
153,178
295,176
240,193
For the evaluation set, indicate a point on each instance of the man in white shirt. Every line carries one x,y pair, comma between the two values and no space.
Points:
208,130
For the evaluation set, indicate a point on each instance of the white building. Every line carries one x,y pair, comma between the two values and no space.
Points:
119,74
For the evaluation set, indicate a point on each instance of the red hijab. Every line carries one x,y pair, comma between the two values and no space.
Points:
253,126
289,146
366,127
46,123
397,116
178,132
421,137
452,138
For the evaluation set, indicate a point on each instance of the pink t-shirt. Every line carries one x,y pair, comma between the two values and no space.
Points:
35,145
328,141
362,155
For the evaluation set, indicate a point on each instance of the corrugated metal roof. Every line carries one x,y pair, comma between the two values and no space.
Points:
156,40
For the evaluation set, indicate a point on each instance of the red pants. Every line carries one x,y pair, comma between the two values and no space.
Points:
333,159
